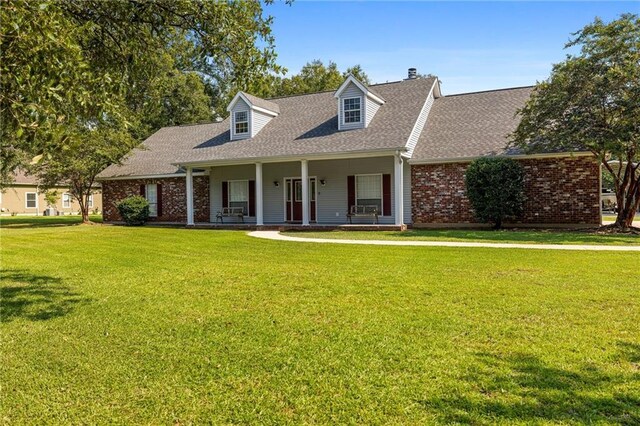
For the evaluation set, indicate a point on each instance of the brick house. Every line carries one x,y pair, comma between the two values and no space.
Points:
395,153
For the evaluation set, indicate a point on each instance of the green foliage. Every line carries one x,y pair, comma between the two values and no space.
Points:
156,325
592,101
315,76
51,197
134,210
495,188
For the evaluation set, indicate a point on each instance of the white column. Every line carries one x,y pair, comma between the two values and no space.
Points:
259,219
305,192
190,196
398,189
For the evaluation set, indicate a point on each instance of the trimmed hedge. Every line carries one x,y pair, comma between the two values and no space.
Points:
495,188
134,210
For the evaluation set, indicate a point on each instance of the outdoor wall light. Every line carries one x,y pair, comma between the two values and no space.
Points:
323,182
276,183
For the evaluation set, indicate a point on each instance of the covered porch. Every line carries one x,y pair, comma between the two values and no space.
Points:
306,193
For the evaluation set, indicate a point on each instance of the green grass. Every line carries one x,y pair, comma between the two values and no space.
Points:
107,324
480,235
44,221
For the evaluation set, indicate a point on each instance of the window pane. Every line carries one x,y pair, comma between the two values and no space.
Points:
298,190
242,127
241,116
312,195
66,200
31,200
369,186
238,191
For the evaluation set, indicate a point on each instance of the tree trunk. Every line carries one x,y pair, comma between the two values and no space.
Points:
627,194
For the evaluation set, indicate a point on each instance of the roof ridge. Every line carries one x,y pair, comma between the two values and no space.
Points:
489,90
333,90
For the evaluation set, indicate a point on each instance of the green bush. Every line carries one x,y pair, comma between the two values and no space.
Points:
134,210
495,187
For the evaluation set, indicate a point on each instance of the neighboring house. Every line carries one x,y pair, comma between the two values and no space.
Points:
401,147
25,197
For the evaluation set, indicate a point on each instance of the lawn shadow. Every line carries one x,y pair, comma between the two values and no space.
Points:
34,297
43,221
523,388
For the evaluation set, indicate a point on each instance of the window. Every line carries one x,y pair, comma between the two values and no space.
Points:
90,201
369,191
242,122
239,194
31,200
351,108
152,197
66,200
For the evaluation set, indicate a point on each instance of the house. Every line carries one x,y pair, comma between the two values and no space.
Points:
398,149
25,197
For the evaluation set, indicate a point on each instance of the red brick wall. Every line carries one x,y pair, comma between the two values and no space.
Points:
174,200
558,191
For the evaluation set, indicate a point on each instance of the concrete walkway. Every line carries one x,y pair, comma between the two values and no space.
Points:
275,235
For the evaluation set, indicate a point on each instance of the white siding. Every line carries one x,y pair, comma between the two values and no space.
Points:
240,105
331,198
258,121
371,107
419,125
351,91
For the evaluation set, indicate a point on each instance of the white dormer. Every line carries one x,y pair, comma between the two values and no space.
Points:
357,104
249,114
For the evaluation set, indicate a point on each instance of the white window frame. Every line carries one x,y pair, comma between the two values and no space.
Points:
155,203
380,175
246,182
344,110
66,202
90,200
26,200
236,122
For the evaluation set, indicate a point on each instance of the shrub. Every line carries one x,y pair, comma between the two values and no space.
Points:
134,210
495,187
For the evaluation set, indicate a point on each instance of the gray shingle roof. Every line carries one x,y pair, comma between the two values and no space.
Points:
471,125
262,103
306,125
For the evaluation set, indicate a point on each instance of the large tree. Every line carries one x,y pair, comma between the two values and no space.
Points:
592,101
84,80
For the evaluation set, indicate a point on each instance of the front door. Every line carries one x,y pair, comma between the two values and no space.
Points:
293,196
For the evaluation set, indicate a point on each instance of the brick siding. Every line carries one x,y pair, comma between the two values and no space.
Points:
174,201
558,191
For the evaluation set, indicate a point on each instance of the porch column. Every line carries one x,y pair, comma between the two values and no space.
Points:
259,219
398,189
305,192
190,196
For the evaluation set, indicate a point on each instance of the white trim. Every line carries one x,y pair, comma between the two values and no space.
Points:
515,157
26,200
176,175
414,129
343,111
284,199
384,152
263,110
189,189
351,79
398,173
68,206
258,196
304,172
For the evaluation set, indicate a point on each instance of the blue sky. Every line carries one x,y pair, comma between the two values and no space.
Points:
471,46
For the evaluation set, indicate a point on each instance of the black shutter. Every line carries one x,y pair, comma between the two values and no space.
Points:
252,198
143,190
225,194
386,195
351,192
159,199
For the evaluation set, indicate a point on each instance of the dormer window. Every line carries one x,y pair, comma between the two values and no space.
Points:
352,110
241,122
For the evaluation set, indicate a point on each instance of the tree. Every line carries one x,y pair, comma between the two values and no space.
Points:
495,188
314,76
85,80
592,101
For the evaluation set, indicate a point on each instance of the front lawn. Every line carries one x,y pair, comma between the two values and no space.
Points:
109,324
530,236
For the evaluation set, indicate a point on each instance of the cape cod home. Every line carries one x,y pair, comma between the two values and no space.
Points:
392,153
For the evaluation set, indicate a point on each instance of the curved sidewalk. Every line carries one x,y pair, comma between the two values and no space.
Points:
275,235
